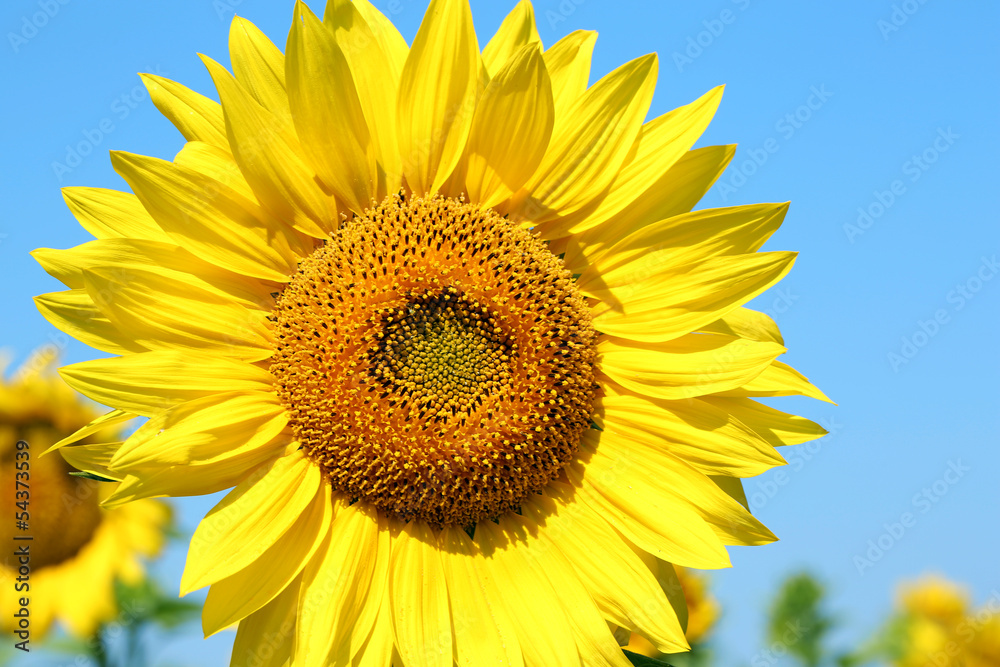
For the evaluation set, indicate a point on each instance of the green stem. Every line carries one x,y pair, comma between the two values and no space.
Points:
100,652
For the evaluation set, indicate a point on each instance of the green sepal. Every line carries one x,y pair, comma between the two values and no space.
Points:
90,475
643,661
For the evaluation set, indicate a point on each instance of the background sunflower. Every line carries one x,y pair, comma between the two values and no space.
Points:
78,551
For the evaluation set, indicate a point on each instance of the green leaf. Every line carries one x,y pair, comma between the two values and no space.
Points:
173,533
890,643
643,661
700,655
145,602
66,645
798,620
90,475
170,614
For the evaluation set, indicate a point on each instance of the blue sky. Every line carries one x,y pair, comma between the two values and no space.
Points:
876,119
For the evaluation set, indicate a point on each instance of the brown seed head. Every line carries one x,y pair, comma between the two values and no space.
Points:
435,360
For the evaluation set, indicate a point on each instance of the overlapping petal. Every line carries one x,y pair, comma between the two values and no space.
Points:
589,144
197,117
327,110
517,31
437,95
272,159
511,129
245,523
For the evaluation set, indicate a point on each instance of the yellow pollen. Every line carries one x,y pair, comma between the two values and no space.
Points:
435,360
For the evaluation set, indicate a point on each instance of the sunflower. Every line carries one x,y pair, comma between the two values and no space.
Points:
446,321
77,550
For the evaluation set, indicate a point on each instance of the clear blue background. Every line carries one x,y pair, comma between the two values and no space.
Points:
852,299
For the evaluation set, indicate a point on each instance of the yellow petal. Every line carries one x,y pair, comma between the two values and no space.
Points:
259,67
327,112
376,78
779,379
686,367
621,585
376,609
709,438
111,214
683,239
517,31
511,129
421,620
733,486
93,458
746,323
125,256
251,518
595,642
388,37
237,596
483,632
215,163
160,312
534,609
197,117
660,144
668,481
75,313
194,479
264,639
778,428
617,488
270,159
568,63
676,192
437,95
666,577
204,428
148,382
590,143
674,301
99,424
378,650
335,583
211,220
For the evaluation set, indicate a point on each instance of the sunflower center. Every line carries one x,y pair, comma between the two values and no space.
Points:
435,360
63,511
444,352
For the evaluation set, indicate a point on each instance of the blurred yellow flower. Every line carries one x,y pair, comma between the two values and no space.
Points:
703,608
76,549
941,631
984,648
936,599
